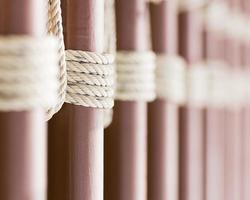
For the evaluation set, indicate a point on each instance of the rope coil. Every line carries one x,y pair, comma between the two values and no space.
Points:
196,85
188,5
171,78
135,76
28,72
90,79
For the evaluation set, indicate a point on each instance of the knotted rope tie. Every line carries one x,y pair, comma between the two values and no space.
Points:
90,79
135,76
171,78
28,72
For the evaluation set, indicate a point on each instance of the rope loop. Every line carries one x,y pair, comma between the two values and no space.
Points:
28,72
135,76
171,78
90,79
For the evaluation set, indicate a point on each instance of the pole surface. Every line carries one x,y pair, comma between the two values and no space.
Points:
22,134
76,133
126,138
163,137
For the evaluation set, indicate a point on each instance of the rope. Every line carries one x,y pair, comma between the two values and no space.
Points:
171,78
155,1
217,83
196,85
90,79
54,27
189,5
212,84
28,73
135,76
215,16
109,45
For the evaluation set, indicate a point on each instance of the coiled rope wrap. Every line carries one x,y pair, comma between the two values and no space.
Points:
196,85
55,28
28,72
171,78
135,76
217,84
90,79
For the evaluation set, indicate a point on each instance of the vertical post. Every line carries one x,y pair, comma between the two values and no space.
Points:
126,139
246,126
163,115
23,134
76,132
214,124
191,117
233,166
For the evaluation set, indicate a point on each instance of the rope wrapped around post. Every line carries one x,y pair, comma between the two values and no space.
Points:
28,73
208,84
90,79
171,78
135,76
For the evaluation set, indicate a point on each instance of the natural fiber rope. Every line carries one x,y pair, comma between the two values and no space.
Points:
196,85
135,76
155,1
90,79
28,73
235,27
212,84
54,27
171,78
215,16
188,5
217,83
109,45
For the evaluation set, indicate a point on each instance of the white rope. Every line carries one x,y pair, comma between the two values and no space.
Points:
238,83
215,16
155,1
217,85
235,27
28,73
135,76
196,85
54,27
90,79
109,45
188,5
171,78
213,84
